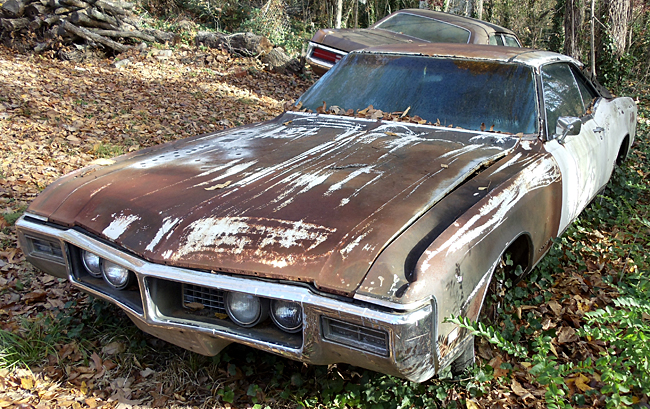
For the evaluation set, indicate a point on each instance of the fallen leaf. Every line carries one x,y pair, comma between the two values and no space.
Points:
114,348
219,186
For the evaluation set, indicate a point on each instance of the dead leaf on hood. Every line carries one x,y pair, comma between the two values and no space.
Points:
219,186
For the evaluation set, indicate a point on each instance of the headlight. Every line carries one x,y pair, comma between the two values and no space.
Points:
92,263
287,315
116,275
245,310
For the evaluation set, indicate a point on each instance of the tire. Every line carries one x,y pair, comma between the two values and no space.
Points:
465,360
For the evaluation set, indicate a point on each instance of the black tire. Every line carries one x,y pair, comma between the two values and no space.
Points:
465,360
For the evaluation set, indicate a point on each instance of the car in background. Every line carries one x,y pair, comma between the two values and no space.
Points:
349,233
329,45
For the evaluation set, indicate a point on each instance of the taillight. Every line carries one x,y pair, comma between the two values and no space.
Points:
326,55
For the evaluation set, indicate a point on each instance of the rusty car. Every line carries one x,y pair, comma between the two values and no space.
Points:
329,45
344,231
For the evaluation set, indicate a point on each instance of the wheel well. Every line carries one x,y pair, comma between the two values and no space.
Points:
520,254
623,151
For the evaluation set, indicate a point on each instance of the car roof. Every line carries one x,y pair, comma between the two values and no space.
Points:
525,56
466,22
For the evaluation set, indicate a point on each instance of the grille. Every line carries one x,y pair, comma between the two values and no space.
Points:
357,336
211,298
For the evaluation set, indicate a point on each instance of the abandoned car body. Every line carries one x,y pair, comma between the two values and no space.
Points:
328,238
406,26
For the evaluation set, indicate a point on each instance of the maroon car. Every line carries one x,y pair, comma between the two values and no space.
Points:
329,45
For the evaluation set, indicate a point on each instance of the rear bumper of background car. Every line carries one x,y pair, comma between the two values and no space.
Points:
335,329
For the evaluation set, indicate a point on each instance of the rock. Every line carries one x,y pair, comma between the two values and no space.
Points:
278,61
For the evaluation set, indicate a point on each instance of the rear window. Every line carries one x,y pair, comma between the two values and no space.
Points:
425,28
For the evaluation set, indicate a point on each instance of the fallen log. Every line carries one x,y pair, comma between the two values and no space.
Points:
13,24
14,8
92,37
75,3
98,15
109,6
35,10
81,18
123,34
162,36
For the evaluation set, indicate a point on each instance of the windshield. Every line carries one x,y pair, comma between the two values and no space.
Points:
467,94
425,28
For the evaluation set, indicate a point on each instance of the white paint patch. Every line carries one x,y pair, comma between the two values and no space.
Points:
526,145
233,170
167,225
338,185
345,251
231,235
100,189
506,165
492,138
119,225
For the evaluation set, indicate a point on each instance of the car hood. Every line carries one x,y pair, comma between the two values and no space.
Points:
356,39
303,197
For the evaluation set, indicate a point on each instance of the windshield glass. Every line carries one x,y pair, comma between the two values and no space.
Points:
425,28
466,94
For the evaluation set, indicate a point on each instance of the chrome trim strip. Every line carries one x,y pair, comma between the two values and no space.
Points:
36,216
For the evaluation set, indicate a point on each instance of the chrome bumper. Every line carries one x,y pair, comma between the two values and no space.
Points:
411,351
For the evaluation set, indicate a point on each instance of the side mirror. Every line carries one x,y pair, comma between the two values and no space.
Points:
566,125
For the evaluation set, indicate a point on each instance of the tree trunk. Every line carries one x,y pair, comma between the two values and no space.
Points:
339,13
619,16
572,23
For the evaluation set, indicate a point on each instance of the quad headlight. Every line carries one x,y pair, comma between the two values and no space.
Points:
246,310
116,275
287,315
92,263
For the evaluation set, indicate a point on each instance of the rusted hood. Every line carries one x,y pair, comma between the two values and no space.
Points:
303,197
350,40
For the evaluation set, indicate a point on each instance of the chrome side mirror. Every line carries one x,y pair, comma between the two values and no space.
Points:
566,125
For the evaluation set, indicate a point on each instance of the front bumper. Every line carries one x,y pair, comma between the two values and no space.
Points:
154,306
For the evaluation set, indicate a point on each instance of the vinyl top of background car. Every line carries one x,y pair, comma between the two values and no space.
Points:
354,39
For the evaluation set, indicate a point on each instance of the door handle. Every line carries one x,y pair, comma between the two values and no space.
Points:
599,129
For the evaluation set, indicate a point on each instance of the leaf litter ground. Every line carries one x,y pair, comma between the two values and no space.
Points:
69,350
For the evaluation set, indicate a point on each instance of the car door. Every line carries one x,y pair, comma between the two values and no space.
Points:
582,158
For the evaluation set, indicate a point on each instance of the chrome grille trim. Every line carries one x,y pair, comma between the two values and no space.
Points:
210,298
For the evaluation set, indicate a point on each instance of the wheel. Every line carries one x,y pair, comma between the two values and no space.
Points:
465,360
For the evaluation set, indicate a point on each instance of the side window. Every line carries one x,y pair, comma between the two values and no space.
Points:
586,91
511,41
561,94
495,39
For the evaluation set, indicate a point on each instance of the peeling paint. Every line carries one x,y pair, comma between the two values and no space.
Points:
119,225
